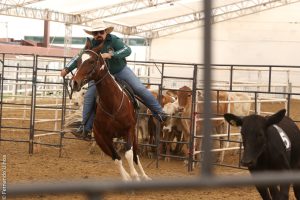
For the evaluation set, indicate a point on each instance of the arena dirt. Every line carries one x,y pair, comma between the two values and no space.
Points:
77,163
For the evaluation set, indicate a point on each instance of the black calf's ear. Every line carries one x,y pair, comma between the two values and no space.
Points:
276,118
233,119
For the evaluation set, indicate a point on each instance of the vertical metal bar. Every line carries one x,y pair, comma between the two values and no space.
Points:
63,114
158,146
240,155
1,88
17,78
207,164
33,101
193,120
231,77
288,105
270,79
218,102
45,80
255,102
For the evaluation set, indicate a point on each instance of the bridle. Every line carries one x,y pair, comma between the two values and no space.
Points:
89,76
93,70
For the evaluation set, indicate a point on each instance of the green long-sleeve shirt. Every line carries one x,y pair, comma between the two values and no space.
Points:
117,48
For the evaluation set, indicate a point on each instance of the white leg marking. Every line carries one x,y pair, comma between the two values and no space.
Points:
144,175
133,172
124,174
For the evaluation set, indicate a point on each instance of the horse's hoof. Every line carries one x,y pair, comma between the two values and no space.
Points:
147,178
137,178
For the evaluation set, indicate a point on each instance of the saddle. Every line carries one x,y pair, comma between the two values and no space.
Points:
130,93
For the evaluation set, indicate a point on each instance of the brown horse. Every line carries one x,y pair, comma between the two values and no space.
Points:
115,114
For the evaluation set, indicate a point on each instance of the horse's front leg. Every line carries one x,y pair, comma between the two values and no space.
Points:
129,156
125,176
115,156
133,172
108,148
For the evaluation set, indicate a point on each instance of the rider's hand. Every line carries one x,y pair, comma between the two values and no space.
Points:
106,55
63,72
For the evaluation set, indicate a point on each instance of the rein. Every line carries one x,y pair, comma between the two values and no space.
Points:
68,84
119,108
93,70
99,81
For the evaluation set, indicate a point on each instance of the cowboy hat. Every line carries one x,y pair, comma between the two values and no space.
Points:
98,26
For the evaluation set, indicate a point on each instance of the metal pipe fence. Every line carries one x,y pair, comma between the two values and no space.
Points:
96,189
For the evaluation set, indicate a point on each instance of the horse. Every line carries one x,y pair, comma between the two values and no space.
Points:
115,116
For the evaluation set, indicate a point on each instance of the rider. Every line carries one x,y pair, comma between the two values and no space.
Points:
114,52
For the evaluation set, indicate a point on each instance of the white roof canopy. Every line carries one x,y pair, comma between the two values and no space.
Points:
145,18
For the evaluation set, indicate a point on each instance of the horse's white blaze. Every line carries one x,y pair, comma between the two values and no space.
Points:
124,174
129,157
85,56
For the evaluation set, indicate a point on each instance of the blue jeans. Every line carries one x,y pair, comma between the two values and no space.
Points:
89,107
140,90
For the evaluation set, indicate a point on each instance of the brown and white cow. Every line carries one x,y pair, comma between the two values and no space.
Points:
172,129
220,106
147,125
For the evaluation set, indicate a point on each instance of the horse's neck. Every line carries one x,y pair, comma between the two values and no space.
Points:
110,93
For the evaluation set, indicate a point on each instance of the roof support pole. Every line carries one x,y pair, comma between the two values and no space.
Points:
46,40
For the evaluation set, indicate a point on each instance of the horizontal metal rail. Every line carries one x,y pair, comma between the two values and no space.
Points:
101,187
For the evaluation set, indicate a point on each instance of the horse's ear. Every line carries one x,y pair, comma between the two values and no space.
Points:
88,43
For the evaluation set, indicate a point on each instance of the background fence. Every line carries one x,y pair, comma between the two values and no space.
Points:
35,102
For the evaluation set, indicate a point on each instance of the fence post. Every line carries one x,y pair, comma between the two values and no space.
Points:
33,106
193,120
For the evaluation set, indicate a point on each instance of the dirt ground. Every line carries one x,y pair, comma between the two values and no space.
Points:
77,163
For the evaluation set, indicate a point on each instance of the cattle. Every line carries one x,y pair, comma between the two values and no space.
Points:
147,126
172,128
239,104
220,105
270,143
185,106
242,105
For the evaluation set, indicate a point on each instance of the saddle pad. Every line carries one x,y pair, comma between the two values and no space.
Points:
129,91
